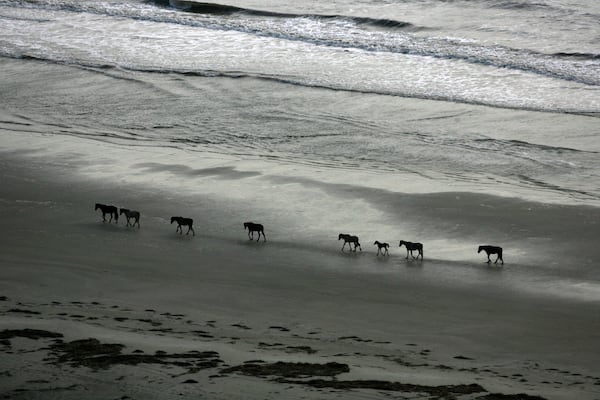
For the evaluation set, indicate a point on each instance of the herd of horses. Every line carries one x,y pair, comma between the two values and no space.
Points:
251,227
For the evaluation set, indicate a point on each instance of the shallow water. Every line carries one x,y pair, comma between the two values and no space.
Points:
327,117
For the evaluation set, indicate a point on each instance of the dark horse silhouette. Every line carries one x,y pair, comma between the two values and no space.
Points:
185,222
112,210
383,246
252,227
131,214
491,250
410,247
350,239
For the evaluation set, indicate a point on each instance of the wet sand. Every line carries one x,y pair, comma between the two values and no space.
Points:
100,310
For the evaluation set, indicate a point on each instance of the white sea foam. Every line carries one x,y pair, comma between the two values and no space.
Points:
326,52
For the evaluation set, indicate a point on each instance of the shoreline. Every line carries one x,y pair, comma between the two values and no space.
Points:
360,306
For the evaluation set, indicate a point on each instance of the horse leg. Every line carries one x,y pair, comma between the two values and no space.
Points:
264,236
193,231
258,239
344,246
488,261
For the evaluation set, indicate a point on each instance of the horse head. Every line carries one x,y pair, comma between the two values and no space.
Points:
123,210
247,225
342,236
401,243
479,249
173,219
98,205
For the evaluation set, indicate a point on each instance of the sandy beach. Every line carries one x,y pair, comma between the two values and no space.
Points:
454,124
99,310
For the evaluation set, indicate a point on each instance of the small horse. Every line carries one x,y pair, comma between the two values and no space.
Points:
410,247
383,246
112,210
185,222
492,250
129,214
252,227
350,239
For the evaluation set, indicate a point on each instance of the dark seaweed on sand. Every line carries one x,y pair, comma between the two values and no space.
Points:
93,354
500,396
29,334
441,392
289,369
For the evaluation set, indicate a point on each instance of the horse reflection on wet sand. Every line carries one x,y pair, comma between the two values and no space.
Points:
107,209
350,239
252,227
183,222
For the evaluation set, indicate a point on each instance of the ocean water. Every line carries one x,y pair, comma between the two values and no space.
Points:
320,108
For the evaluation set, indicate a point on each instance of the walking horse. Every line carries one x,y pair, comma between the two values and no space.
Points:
184,222
410,247
350,239
112,210
252,227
